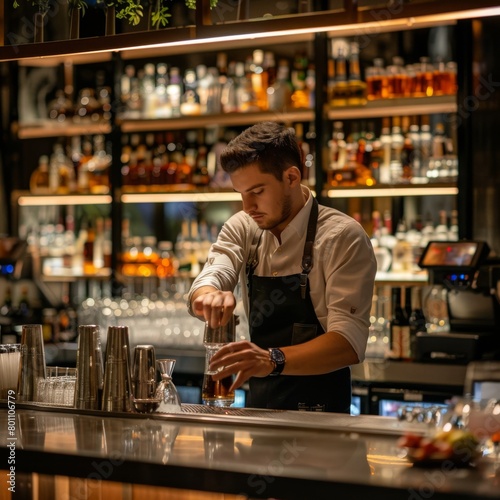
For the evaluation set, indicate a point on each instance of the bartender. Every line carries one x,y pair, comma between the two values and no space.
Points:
309,272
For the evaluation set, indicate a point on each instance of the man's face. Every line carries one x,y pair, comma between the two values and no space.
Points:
266,199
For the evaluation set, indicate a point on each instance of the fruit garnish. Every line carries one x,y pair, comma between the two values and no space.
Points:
457,445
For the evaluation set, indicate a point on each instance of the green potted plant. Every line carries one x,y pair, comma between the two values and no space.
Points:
76,9
38,18
159,16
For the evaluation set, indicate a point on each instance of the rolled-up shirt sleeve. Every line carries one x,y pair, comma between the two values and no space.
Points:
347,264
226,257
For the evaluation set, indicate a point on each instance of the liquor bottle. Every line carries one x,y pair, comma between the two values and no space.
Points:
356,88
425,72
245,95
148,96
441,232
415,159
190,100
402,253
425,149
61,108
416,319
174,91
340,89
396,166
400,328
61,172
384,168
39,180
259,78
338,154
200,173
301,95
163,108
88,249
396,78
229,101
280,92
453,232
376,81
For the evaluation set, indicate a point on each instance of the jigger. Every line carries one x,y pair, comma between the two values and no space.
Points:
31,362
89,369
117,385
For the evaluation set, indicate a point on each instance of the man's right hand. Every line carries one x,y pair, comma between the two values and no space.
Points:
213,306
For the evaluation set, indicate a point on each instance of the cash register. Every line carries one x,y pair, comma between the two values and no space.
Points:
472,280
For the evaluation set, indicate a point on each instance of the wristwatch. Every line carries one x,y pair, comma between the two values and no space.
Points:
277,356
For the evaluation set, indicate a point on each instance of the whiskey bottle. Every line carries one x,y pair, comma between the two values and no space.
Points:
340,89
39,180
356,88
259,78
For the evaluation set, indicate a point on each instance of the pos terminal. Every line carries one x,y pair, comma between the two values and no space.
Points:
472,282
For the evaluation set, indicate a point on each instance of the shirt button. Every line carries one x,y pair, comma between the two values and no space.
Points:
275,274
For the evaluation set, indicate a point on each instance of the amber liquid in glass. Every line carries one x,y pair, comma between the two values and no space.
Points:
216,392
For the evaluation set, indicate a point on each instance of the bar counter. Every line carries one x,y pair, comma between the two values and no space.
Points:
246,452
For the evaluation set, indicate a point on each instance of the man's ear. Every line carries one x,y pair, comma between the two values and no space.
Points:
293,176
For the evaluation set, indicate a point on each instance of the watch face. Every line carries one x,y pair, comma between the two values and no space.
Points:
277,356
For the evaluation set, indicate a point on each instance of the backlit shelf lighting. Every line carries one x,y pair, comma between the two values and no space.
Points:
384,192
44,201
179,197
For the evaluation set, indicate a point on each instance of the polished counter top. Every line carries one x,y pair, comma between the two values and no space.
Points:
257,453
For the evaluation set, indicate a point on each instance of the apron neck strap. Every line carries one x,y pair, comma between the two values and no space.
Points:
307,255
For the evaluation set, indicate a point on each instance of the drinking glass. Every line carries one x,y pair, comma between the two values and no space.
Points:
216,392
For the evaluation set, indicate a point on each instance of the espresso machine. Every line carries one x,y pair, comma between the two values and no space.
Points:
471,279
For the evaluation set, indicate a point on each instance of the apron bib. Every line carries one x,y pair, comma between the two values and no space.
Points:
282,314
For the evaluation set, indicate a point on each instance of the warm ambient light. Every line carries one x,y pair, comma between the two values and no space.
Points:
43,201
179,197
399,191
366,28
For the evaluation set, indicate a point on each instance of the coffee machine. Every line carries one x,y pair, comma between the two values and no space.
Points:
472,281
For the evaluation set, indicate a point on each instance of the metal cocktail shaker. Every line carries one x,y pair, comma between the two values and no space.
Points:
31,362
89,369
117,385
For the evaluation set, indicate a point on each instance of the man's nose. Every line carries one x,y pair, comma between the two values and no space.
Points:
248,204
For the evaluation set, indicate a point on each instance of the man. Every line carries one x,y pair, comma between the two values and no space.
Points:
309,270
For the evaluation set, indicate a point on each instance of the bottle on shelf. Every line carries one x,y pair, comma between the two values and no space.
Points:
279,94
301,94
416,318
340,88
162,106
402,253
376,80
259,79
396,78
190,100
400,328
39,180
356,87
174,91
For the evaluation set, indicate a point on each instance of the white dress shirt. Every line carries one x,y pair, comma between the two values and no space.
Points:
341,279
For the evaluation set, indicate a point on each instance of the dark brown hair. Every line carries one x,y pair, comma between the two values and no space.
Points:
270,145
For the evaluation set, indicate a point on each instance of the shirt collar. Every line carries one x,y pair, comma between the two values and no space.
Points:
298,225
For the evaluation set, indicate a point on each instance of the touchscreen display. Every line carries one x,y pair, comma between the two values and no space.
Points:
443,254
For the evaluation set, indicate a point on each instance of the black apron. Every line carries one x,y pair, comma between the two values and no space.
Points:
282,314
